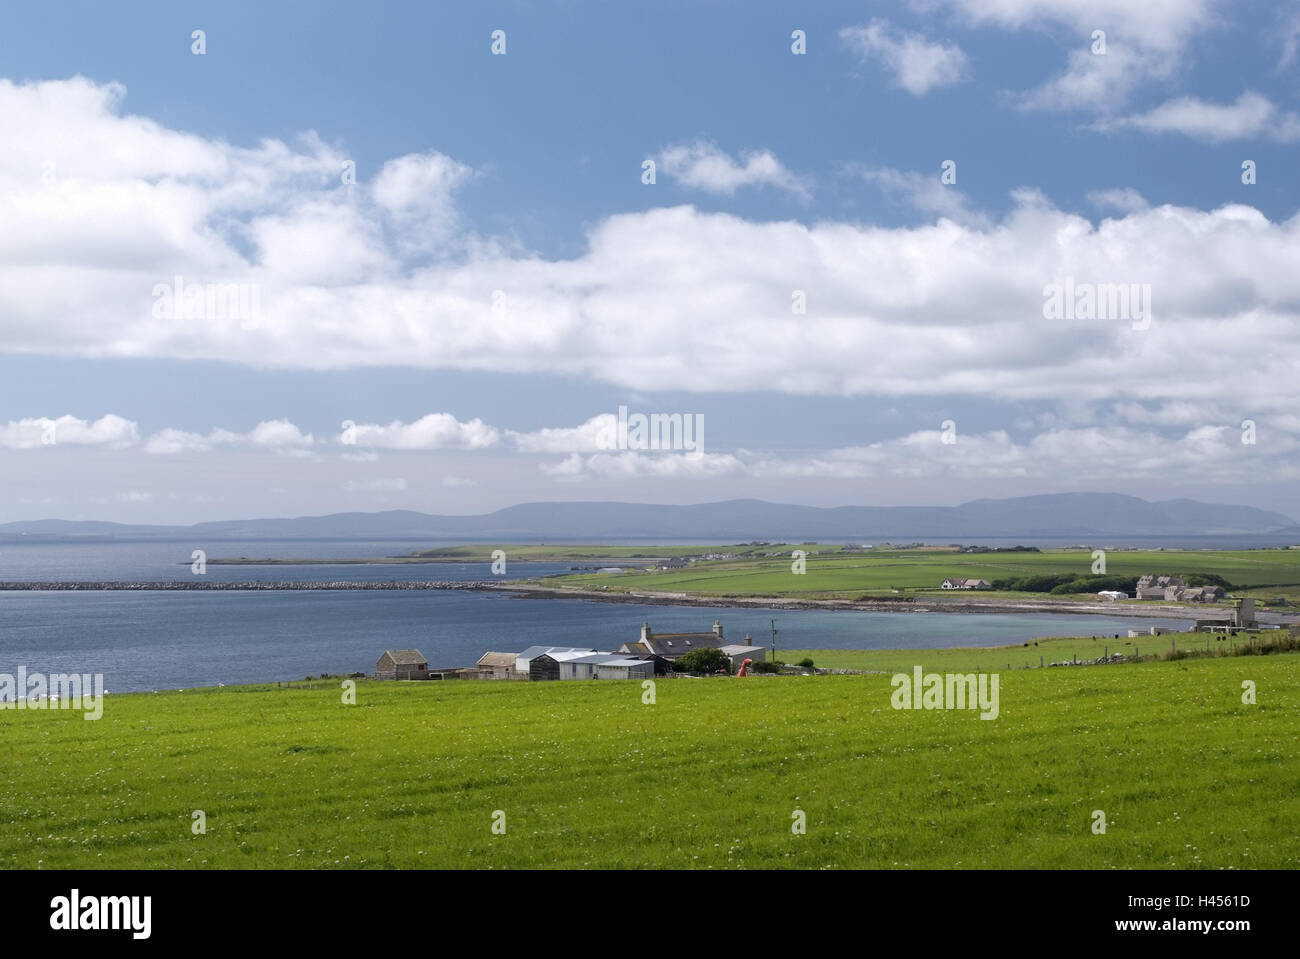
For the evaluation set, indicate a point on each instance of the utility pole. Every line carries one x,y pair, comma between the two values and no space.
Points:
773,640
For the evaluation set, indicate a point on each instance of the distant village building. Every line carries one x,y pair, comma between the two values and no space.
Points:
1173,589
1158,582
1112,594
965,584
402,664
674,563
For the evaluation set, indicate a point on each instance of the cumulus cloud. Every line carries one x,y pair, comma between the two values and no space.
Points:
597,433
1088,454
925,192
1121,199
393,484
628,464
917,64
674,297
431,432
275,435
1251,116
417,192
108,431
1145,42
704,166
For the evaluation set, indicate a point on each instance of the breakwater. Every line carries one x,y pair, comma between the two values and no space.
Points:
187,585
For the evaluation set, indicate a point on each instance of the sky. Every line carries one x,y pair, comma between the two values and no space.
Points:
302,258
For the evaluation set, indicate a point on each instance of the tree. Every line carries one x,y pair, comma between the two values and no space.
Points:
703,661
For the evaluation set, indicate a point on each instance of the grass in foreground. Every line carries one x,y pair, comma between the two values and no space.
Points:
709,776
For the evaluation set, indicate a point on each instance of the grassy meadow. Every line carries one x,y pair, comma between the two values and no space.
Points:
834,574
708,776
1019,656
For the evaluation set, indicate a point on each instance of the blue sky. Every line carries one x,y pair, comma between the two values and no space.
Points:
521,175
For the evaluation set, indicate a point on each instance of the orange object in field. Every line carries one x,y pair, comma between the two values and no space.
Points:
744,667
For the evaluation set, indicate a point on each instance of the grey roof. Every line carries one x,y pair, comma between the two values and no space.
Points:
405,657
674,644
532,652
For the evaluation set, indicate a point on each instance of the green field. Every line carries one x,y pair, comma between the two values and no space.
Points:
709,776
1020,656
833,574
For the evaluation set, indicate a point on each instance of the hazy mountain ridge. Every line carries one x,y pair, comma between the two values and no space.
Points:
1063,514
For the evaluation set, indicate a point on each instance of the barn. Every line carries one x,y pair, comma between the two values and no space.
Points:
402,664
542,668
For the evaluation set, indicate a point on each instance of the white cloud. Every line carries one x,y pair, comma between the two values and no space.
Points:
1290,36
361,456
1122,199
918,65
416,191
383,485
1250,117
453,482
704,166
1145,42
108,431
628,464
1099,453
925,192
669,298
276,435
431,432
595,434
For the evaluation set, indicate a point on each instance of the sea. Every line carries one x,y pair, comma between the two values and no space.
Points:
152,640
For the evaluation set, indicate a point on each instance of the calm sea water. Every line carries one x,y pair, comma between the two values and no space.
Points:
143,641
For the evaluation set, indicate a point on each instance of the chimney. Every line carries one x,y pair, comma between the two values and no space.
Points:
645,632
717,628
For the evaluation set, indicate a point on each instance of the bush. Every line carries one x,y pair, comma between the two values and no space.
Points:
763,666
805,662
703,661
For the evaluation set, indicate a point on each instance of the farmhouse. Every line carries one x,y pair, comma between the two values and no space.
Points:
402,664
670,646
965,584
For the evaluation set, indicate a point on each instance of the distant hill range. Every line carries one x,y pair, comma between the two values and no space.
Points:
1065,515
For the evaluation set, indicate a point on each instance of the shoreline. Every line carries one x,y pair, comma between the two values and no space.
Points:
970,606
529,590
